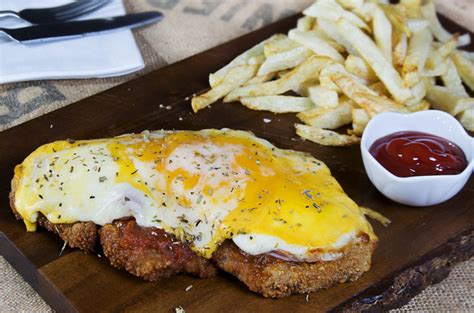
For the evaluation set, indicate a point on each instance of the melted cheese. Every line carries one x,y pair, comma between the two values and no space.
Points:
204,187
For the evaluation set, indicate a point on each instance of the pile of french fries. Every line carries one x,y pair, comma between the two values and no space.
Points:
347,61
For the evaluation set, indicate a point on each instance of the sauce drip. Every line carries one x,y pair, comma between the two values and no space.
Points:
409,153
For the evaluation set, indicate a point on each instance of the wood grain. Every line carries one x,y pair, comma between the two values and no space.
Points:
416,250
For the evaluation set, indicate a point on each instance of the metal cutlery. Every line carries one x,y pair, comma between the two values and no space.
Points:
57,14
75,29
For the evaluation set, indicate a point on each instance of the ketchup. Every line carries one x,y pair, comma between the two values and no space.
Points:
409,153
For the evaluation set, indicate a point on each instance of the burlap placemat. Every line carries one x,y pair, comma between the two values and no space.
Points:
192,26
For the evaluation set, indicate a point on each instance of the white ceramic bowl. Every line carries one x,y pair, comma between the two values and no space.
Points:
417,190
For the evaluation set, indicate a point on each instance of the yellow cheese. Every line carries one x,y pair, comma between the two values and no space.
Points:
204,187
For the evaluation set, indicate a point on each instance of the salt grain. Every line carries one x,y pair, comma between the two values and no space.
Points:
188,288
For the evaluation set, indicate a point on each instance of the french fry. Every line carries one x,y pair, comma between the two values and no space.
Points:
376,216
436,63
349,85
282,73
365,97
260,79
467,54
323,97
326,76
434,68
330,29
277,44
242,59
374,104
380,89
448,47
305,23
442,99
437,71
325,137
312,41
329,9
423,105
365,11
382,29
328,118
430,81
358,67
234,78
452,80
465,68
303,72
372,55
284,60
419,91
417,24
400,50
398,17
303,88
278,104
467,119
412,7
360,119
259,59
321,34
418,50
351,4
428,11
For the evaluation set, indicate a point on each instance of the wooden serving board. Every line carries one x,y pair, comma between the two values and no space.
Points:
416,250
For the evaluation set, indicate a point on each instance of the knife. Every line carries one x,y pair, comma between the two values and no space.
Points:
75,29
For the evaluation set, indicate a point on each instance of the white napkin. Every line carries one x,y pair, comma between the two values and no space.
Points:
111,54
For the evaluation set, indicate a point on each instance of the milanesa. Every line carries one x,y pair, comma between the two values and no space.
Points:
167,202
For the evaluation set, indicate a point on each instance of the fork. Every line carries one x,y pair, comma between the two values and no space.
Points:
57,14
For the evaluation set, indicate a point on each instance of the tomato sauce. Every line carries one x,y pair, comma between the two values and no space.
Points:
409,153
137,238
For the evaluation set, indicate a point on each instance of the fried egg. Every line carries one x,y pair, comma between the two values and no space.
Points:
202,186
